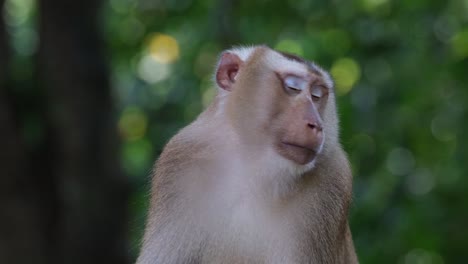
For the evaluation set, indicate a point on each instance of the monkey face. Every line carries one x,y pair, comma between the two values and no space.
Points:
277,100
298,128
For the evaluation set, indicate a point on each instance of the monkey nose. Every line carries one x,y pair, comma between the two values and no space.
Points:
315,126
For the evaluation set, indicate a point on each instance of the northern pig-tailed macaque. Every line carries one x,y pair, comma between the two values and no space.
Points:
259,176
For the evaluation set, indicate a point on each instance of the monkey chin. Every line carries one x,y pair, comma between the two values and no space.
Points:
298,154
301,159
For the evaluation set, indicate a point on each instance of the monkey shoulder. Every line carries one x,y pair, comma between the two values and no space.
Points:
183,149
186,155
334,161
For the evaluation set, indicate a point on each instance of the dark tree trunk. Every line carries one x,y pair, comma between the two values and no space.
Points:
62,200
92,193
23,232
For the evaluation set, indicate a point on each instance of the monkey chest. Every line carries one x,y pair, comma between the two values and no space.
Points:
249,235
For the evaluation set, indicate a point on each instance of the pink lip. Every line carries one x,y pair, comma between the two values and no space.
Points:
299,146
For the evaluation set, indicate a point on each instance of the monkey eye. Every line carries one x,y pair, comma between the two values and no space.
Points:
316,92
294,83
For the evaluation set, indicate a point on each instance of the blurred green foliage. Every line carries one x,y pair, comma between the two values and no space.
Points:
401,69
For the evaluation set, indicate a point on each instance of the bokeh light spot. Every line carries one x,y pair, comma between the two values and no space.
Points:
460,44
164,48
400,161
364,97
443,127
290,46
422,256
19,18
137,157
25,40
17,12
122,6
420,182
373,5
346,73
133,123
152,71
444,28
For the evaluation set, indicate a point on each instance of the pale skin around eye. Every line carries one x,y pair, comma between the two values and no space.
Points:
295,83
298,84
316,92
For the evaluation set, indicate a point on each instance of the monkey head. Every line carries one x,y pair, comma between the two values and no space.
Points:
278,101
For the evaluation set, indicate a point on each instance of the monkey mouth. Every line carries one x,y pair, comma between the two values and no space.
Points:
311,149
298,153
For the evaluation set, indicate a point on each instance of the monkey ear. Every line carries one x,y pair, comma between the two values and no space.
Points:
227,70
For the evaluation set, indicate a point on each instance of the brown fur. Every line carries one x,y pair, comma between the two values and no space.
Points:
218,198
